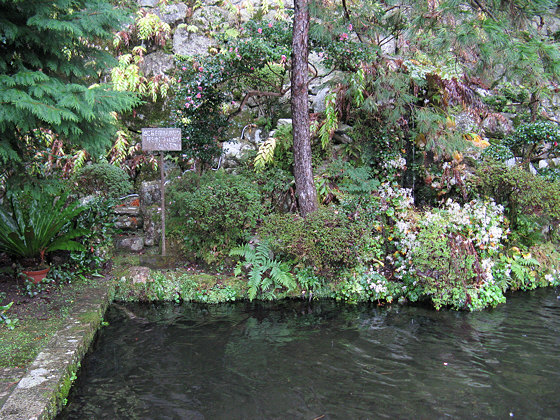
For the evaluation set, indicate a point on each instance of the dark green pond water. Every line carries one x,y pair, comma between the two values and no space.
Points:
293,360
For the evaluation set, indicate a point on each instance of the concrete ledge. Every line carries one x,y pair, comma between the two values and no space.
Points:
41,393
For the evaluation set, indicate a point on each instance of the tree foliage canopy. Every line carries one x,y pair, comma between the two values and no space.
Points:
51,63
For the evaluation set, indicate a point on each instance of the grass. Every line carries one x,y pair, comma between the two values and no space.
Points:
39,319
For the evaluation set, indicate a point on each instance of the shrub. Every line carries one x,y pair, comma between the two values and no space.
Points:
531,140
452,254
109,180
327,240
519,191
212,213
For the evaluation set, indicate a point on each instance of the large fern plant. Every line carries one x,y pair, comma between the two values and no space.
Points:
266,274
32,229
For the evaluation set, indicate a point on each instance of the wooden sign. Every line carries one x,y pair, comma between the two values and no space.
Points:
161,139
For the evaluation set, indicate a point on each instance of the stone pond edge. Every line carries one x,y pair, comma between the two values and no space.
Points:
42,392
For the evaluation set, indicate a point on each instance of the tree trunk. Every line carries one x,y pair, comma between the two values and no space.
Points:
303,173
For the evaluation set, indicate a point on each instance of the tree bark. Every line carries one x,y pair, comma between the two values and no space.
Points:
303,173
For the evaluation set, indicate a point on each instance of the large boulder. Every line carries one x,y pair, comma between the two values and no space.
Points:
157,63
173,14
497,126
188,43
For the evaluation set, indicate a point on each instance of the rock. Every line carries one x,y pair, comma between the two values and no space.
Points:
186,43
532,169
150,193
465,123
84,201
236,147
127,210
284,121
152,225
128,222
157,63
148,3
497,126
211,16
172,14
138,274
130,243
510,163
318,101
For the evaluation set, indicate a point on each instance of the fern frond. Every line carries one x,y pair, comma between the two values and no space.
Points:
265,154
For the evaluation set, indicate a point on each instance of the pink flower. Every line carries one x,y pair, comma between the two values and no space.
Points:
200,68
283,58
270,24
187,105
183,68
350,27
259,31
321,54
344,36
198,95
200,88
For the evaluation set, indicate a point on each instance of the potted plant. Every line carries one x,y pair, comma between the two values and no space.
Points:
30,230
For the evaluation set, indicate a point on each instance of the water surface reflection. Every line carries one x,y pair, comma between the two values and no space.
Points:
293,360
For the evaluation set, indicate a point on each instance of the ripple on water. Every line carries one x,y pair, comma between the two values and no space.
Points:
294,360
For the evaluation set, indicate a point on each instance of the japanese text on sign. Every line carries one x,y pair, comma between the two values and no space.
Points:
161,139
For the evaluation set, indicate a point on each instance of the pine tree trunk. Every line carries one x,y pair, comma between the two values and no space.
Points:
303,173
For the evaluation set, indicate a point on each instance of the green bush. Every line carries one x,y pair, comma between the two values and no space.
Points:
531,140
327,240
519,191
111,181
212,213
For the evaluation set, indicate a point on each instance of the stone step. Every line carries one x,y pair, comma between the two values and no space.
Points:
129,243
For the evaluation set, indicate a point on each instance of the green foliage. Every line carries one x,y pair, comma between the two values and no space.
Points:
49,75
5,320
331,120
519,191
452,254
212,213
101,178
515,270
276,150
533,140
497,152
32,289
30,230
97,222
266,274
326,240
211,90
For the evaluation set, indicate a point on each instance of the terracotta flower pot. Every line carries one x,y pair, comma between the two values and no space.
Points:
36,276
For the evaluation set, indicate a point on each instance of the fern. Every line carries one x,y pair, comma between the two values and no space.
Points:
522,272
331,122
265,154
266,274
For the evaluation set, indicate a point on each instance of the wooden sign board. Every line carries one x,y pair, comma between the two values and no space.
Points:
161,139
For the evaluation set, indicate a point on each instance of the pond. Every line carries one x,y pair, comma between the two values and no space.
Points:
323,360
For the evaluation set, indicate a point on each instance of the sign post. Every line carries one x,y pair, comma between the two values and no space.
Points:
161,139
